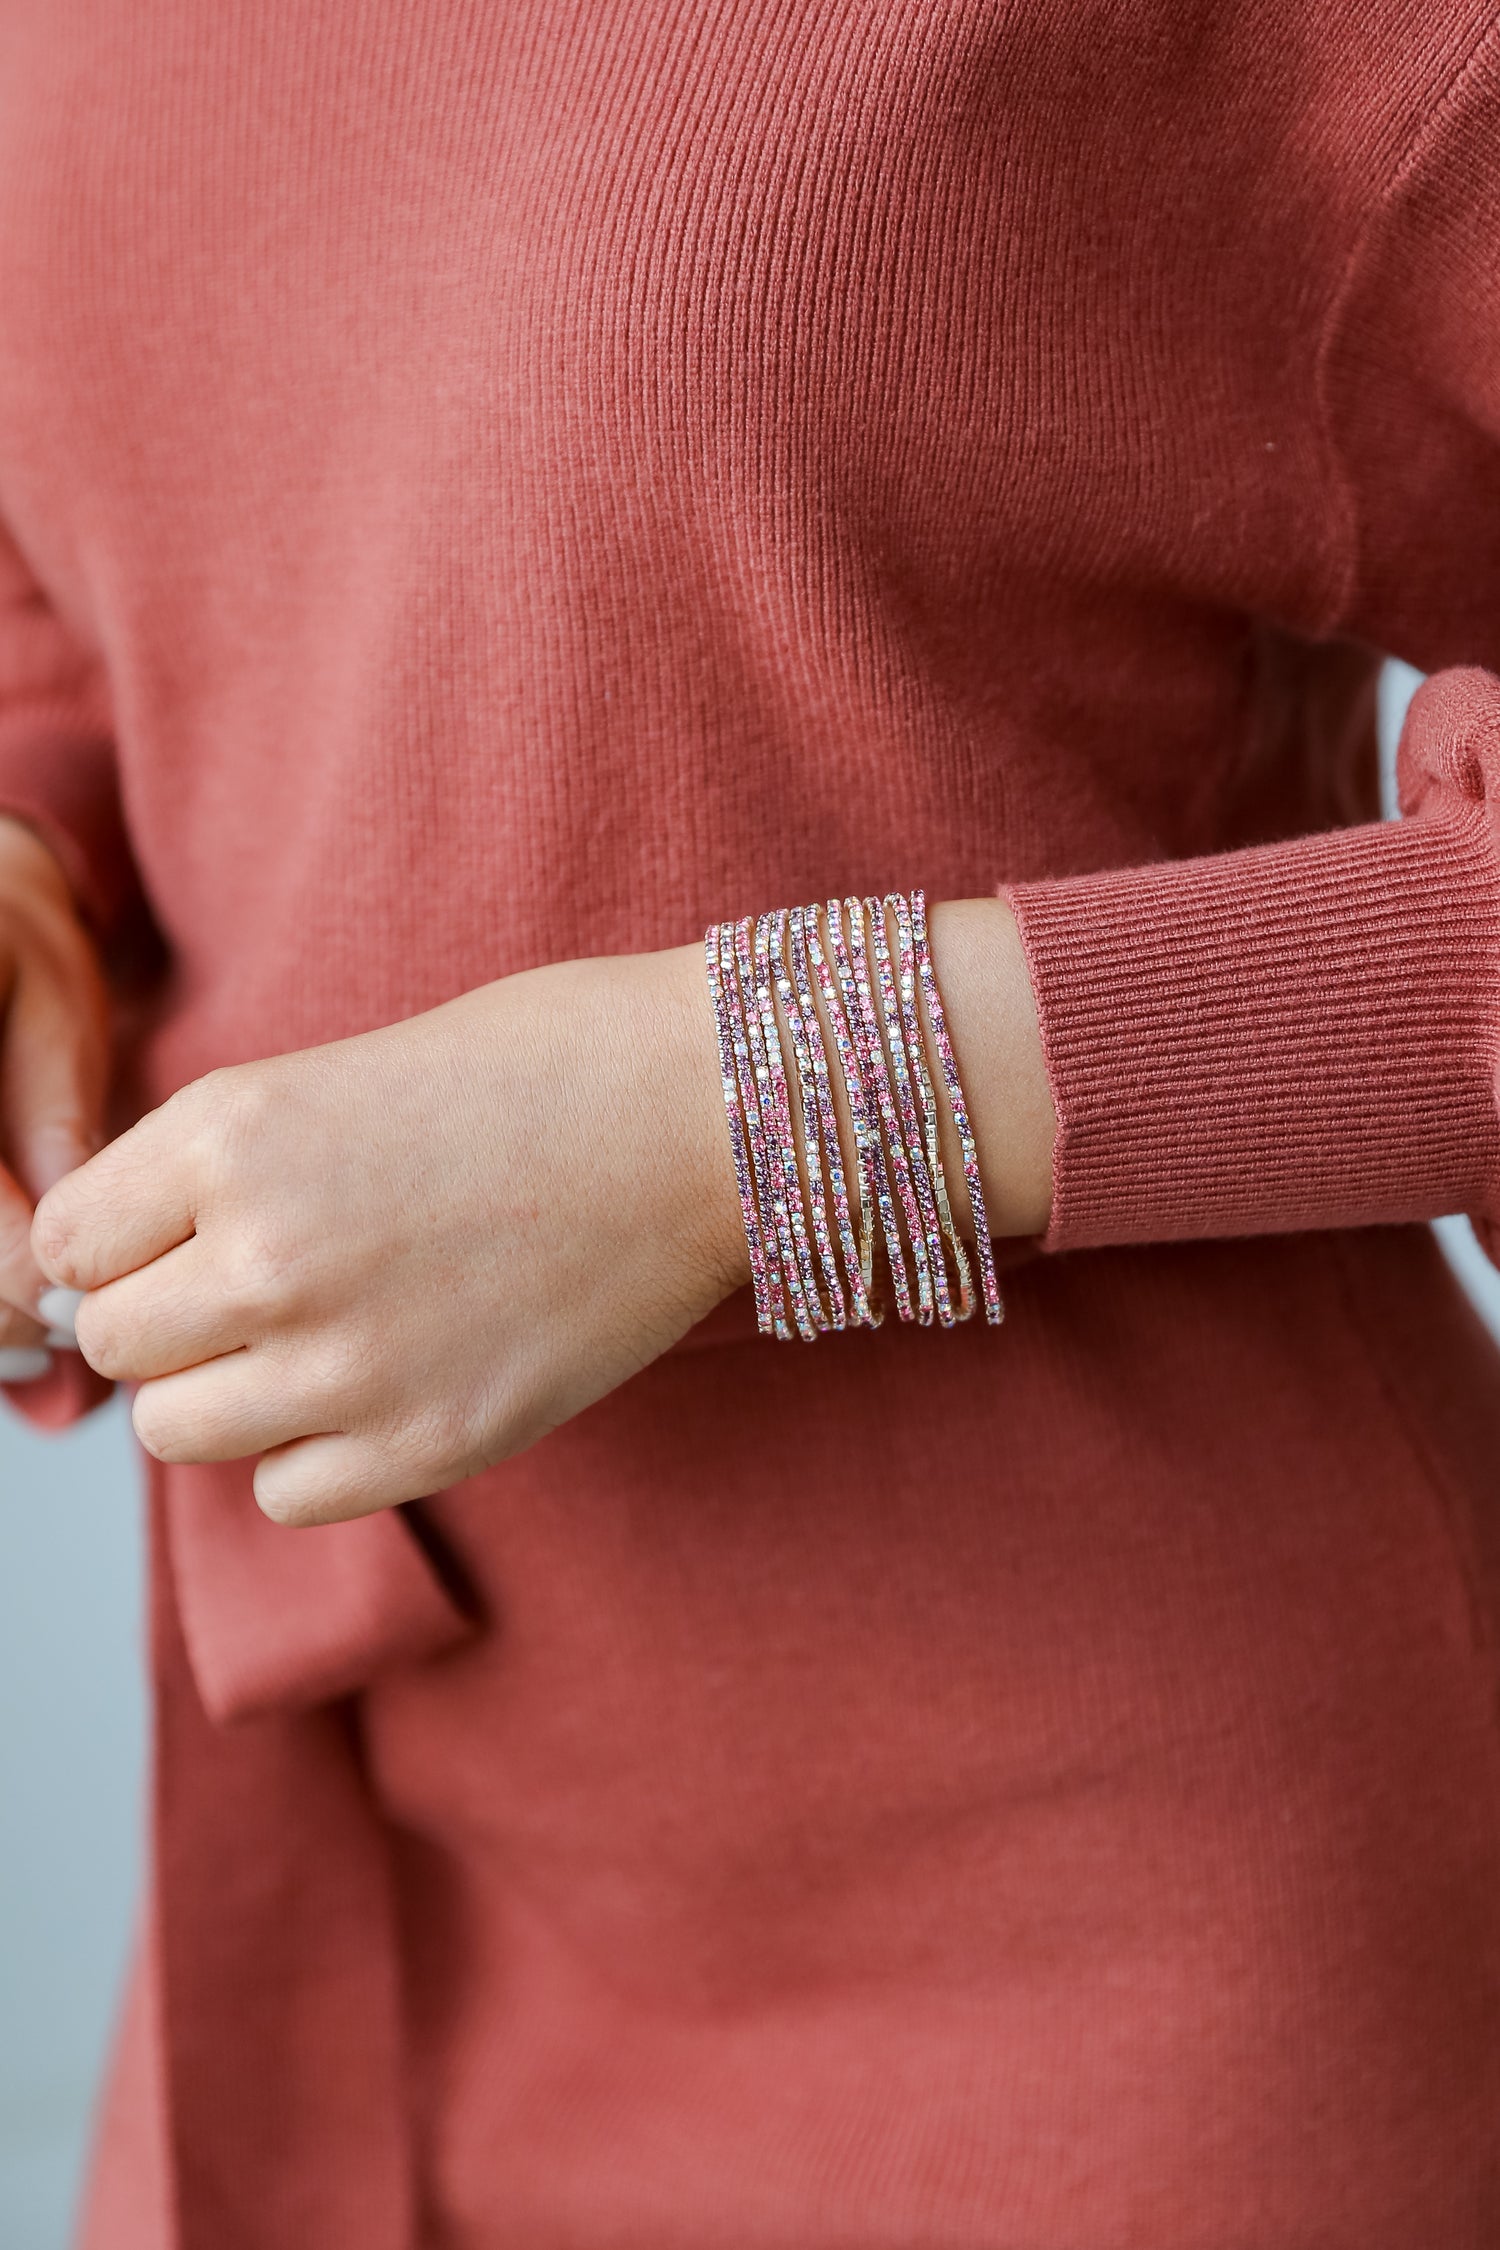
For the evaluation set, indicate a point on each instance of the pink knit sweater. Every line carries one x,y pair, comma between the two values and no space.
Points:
489,484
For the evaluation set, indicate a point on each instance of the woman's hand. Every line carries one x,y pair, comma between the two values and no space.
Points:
54,1061
385,1263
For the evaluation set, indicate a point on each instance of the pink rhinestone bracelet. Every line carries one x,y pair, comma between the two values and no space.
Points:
781,990
994,1304
906,984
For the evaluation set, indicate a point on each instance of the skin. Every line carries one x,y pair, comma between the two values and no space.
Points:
383,1264
54,1058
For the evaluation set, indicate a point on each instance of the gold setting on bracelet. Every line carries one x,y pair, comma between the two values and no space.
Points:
782,984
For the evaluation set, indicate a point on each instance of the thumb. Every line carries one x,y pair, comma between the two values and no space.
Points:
21,1278
53,1069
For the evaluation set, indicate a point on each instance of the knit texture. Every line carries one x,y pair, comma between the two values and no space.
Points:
483,485
1294,1036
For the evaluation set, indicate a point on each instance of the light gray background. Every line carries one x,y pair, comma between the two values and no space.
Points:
70,1788
71,1762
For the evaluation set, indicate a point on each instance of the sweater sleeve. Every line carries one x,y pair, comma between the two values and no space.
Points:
1301,1034
1307,1033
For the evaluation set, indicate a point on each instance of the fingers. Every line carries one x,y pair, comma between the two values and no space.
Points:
53,1057
54,1064
24,1354
333,1478
21,1279
131,1203
266,1399
221,1411
166,1316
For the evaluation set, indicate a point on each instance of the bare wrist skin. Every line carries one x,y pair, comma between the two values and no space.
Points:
691,1097
982,976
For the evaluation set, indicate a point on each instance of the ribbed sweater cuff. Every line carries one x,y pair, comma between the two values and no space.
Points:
1292,1036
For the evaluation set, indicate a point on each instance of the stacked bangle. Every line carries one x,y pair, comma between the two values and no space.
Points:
898,1158
827,1118
994,1306
786,1186
781,988
907,978
871,1164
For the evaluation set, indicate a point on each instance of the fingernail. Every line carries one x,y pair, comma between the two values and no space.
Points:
19,1364
57,1307
61,1340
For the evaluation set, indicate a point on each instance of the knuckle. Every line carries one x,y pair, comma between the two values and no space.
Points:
237,1099
218,1114
53,1234
345,1370
198,1112
435,1431
208,1096
446,1438
65,1227
260,1270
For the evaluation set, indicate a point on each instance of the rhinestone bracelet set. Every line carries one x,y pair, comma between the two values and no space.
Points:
812,1245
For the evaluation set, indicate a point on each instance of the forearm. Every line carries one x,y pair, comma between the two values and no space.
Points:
1300,1034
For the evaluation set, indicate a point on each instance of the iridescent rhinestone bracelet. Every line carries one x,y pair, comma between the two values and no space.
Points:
859,972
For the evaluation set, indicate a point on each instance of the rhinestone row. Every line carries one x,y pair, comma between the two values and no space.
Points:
781,984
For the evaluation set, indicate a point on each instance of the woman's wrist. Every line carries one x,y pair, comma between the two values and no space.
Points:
981,972
692,1116
987,998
